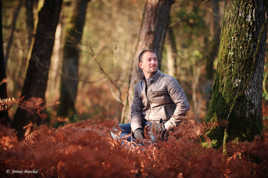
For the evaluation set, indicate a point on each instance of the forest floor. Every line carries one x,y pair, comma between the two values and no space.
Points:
85,149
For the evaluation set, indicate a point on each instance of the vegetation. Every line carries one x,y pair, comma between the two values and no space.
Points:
67,70
84,149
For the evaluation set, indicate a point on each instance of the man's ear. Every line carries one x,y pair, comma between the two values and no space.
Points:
140,65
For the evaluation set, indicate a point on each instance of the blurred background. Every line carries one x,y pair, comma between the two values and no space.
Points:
107,50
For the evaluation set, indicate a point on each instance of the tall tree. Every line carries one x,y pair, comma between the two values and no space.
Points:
236,102
71,54
151,36
4,119
213,45
13,28
171,52
37,74
56,62
29,5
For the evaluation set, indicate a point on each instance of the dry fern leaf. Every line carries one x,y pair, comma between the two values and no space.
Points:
6,103
31,138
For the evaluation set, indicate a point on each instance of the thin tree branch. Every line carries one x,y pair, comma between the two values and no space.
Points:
95,55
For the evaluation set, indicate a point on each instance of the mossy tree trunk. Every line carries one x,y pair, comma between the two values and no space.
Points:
236,101
152,35
37,73
4,119
71,53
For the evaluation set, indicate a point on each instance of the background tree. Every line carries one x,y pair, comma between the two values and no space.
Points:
53,86
16,44
37,74
171,48
71,54
14,21
4,119
212,46
189,22
236,103
151,36
30,18
117,30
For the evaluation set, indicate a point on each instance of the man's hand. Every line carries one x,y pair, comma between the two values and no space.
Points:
163,132
138,134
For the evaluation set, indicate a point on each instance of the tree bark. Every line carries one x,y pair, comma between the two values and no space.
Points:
71,54
4,119
52,92
236,102
37,74
151,36
29,5
171,52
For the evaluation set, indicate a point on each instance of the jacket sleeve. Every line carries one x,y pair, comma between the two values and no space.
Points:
182,105
136,110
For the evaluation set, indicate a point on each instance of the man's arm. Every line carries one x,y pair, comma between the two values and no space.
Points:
182,105
136,111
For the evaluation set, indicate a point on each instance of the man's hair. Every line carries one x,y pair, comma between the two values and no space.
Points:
144,51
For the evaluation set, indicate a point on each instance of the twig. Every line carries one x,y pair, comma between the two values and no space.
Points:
95,55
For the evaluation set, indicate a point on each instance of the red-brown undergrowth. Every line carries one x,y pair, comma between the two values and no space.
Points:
85,149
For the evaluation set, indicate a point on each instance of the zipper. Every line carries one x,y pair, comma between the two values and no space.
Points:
148,101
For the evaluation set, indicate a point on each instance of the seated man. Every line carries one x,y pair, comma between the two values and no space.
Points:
158,99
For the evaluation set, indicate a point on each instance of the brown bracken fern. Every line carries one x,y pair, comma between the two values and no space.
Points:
85,149
6,103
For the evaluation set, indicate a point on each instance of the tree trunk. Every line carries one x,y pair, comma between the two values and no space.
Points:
37,74
52,92
171,52
151,36
13,28
236,101
29,5
4,119
71,54
214,43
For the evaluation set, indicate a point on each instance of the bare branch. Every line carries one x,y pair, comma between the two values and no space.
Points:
95,55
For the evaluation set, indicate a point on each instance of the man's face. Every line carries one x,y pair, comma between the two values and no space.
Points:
149,62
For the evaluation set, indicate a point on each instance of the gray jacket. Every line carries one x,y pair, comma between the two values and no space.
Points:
160,97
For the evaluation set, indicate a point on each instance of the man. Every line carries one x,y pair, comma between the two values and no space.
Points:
158,98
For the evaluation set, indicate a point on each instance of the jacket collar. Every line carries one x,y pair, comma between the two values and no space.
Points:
153,78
